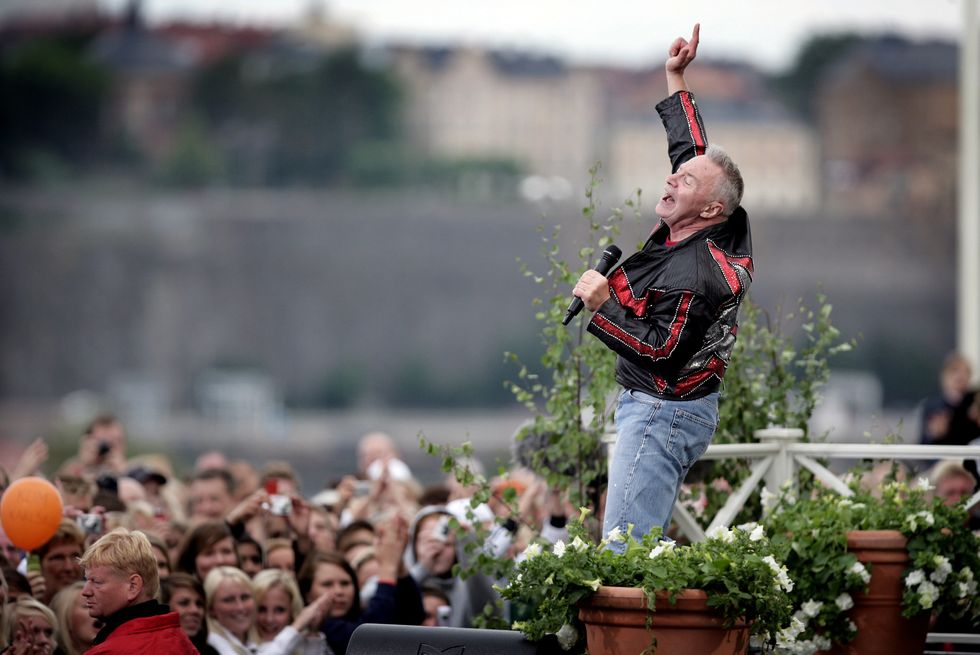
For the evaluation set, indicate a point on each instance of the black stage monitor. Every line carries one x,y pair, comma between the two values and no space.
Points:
381,639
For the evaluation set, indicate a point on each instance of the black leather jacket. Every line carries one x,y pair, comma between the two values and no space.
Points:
671,317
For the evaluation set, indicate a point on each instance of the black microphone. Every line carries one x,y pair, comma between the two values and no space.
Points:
610,256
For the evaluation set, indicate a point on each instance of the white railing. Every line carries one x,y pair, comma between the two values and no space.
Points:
779,455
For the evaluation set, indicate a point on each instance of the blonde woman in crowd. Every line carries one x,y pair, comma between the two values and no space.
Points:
29,628
232,617
231,610
282,624
76,629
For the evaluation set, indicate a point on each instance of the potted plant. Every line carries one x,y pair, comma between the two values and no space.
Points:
724,588
901,558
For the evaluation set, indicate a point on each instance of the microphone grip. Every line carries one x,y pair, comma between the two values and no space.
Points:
573,309
609,258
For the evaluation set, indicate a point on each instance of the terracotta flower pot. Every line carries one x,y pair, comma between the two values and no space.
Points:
882,630
616,624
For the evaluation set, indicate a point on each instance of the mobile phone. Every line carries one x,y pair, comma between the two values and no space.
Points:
362,487
442,615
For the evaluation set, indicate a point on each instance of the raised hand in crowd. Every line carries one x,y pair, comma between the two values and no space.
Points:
313,614
31,460
298,518
33,635
36,579
390,543
249,508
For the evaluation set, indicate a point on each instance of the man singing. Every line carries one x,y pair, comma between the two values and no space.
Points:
669,313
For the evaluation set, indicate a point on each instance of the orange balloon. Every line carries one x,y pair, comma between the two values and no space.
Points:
30,511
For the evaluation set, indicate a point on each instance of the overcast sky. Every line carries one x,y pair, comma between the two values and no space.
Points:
765,32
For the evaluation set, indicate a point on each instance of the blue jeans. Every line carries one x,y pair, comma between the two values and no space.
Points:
657,443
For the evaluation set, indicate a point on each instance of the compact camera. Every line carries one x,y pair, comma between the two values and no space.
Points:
443,612
280,505
90,523
442,529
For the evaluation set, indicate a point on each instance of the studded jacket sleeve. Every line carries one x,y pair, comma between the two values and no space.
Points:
686,137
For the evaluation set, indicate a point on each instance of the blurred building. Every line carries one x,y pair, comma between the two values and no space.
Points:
887,118
150,77
558,120
470,103
317,27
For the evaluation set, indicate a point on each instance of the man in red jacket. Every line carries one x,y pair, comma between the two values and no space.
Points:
121,585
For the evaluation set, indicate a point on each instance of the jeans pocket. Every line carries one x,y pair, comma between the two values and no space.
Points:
643,398
690,436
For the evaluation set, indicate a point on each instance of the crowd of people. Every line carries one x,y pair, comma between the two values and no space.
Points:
250,565
247,562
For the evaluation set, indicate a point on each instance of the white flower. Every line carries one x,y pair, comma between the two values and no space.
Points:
821,642
844,602
757,533
615,535
795,628
943,569
747,527
845,502
533,550
782,579
913,520
559,548
811,608
922,484
768,498
579,545
858,506
914,578
851,627
928,594
662,547
567,636
722,534
966,573
595,584
858,569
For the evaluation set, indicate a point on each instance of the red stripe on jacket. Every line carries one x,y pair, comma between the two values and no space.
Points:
643,348
692,122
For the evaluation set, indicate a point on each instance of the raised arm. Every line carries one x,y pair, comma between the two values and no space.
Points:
686,137
681,53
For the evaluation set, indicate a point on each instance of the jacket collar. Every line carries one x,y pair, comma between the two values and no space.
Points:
128,613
